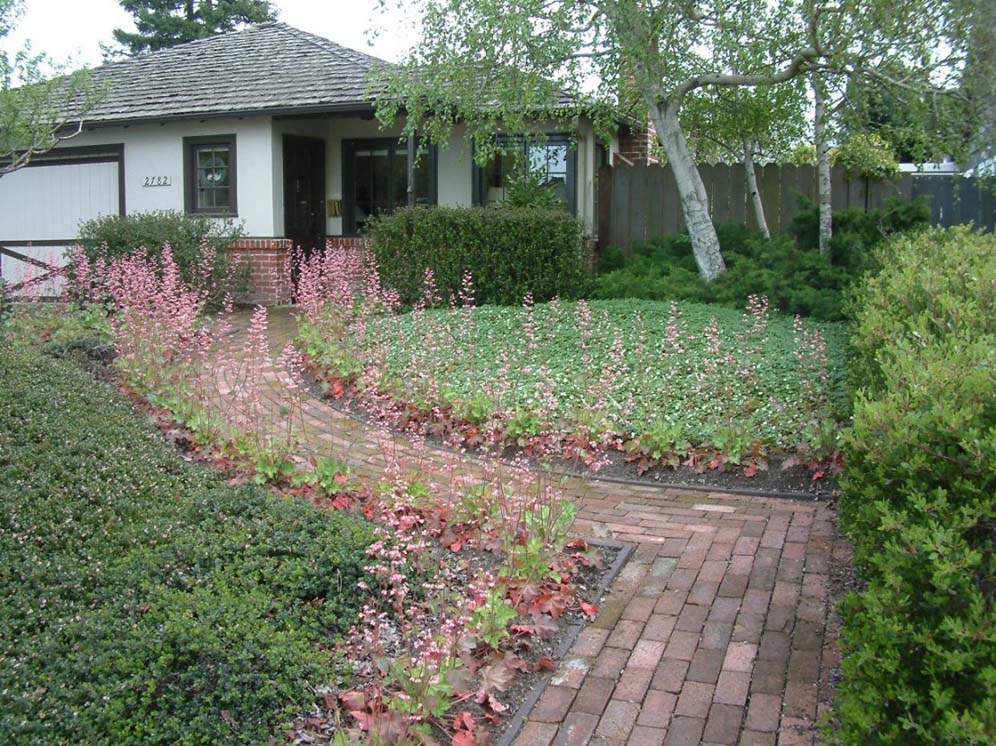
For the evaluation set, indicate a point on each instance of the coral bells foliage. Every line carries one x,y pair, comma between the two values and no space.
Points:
580,382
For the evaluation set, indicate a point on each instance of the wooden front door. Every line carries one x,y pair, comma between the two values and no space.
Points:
304,191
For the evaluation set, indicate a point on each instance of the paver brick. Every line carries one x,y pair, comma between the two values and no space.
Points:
723,724
705,666
577,729
610,663
695,699
644,736
553,704
657,709
731,688
670,675
590,642
764,712
536,734
685,731
633,684
593,695
618,719
646,654
659,627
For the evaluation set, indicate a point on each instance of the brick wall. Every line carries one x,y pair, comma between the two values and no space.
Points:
269,269
636,147
268,260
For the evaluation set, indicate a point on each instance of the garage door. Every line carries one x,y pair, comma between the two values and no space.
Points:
42,205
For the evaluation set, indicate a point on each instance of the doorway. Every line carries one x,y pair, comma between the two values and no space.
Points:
304,191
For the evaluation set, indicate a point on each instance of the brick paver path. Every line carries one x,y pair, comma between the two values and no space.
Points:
716,630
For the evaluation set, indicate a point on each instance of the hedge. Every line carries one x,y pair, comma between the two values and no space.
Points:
510,251
121,235
142,600
918,502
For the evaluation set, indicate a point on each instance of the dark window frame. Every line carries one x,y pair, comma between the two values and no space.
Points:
523,143
190,146
394,146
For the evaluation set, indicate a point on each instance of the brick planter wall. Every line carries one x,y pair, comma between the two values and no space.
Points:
269,269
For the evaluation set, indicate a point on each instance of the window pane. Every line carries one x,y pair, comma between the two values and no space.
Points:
212,175
496,176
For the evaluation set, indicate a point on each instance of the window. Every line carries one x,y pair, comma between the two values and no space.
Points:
375,179
209,175
554,160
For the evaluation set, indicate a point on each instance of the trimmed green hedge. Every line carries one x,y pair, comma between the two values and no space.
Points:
121,235
919,498
142,600
509,250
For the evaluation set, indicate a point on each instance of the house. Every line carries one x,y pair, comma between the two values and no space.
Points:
271,126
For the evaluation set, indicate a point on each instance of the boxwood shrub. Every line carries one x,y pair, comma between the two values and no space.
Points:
919,504
509,250
142,599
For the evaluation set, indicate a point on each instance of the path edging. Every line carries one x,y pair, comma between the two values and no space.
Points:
522,713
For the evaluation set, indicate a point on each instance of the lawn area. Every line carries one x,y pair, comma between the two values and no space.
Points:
688,371
142,599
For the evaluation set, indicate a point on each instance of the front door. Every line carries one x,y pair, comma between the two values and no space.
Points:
304,191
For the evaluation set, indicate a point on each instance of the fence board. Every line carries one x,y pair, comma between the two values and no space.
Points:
644,202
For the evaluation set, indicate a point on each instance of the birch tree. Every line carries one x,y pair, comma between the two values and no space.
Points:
493,64
746,126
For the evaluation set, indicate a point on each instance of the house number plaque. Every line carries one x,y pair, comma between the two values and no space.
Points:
157,181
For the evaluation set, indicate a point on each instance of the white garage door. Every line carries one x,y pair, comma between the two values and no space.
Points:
42,205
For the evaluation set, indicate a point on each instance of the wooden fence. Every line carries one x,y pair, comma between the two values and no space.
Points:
637,203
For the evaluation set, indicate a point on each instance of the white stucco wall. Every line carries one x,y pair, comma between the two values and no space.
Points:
157,150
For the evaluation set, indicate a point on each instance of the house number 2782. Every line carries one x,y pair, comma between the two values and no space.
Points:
154,181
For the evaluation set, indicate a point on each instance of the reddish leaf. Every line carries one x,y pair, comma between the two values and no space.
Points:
353,700
464,721
463,738
545,664
750,471
577,544
545,626
497,676
590,610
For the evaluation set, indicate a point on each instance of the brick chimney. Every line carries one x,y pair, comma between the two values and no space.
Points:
636,146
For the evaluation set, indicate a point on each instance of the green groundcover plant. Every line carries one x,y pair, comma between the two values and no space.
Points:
143,600
919,503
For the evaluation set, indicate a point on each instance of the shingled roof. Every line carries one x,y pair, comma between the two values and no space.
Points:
264,69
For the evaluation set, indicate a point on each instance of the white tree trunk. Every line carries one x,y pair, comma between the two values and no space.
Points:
823,181
691,189
755,196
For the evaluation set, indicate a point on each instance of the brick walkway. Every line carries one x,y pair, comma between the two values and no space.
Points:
715,632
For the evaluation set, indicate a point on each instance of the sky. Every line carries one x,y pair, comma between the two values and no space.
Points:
72,30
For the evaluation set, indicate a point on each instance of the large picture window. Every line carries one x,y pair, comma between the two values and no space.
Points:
209,175
553,159
375,179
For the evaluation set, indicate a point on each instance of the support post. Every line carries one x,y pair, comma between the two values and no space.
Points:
411,170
